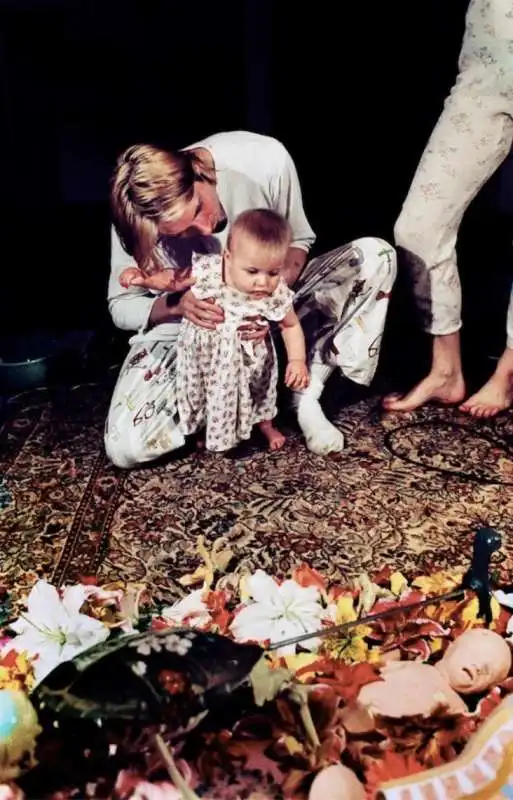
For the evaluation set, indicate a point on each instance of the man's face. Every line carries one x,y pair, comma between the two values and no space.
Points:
203,215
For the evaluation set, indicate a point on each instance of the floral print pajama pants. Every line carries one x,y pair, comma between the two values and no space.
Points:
472,138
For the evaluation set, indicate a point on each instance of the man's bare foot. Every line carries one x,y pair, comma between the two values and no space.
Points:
273,435
446,389
495,396
497,393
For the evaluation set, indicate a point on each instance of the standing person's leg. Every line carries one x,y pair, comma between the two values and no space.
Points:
142,422
497,393
342,301
471,139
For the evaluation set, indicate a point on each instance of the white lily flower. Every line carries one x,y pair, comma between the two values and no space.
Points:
53,630
278,611
190,611
504,599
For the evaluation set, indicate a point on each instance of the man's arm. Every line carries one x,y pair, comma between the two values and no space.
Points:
129,308
294,263
285,190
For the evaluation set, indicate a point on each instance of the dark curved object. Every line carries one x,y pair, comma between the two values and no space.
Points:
477,578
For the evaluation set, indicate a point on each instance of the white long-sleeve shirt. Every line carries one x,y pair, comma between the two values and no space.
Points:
252,171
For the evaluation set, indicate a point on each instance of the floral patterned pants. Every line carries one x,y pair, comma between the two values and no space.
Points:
342,300
472,138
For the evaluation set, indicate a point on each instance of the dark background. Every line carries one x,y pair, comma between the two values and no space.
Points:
352,89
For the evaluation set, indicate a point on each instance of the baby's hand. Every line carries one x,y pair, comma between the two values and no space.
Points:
128,275
167,280
296,375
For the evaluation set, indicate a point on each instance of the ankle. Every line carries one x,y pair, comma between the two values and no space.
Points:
447,371
504,368
446,361
309,395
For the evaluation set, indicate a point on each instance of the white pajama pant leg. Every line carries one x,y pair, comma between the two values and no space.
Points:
470,140
142,422
342,302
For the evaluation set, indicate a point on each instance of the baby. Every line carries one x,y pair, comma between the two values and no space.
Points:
225,384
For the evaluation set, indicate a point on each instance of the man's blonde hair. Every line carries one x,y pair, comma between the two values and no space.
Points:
264,226
149,185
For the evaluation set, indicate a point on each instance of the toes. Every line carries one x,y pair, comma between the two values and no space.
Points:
391,400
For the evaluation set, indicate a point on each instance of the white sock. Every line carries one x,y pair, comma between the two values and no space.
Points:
321,436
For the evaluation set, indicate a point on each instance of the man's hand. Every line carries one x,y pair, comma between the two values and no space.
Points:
204,313
251,331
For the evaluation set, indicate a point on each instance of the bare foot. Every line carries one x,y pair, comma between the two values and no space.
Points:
447,389
495,396
273,435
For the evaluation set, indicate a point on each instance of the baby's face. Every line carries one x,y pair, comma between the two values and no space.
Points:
252,268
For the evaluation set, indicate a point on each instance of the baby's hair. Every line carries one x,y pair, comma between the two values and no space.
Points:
150,184
265,226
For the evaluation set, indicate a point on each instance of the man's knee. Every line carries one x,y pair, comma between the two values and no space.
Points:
378,261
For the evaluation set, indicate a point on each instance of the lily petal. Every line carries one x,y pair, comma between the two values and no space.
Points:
504,599
263,588
43,601
73,599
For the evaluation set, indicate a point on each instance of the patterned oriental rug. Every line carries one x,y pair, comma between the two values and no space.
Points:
408,492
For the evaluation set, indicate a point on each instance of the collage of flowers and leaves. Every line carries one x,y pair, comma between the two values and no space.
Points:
288,723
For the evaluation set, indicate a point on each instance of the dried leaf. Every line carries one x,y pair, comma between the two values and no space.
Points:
432,740
216,561
345,679
392,766
382,578
470,614
254,758
306,576
299,661
368,593
440,582
268,682
398,583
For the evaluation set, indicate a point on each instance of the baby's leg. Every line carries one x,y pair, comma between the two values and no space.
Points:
272,434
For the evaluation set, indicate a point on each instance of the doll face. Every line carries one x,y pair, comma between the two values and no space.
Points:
476,660
253,268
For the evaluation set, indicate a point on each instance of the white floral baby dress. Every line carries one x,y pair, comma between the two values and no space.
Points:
226,384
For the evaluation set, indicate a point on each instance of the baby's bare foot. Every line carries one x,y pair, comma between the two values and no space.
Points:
275,439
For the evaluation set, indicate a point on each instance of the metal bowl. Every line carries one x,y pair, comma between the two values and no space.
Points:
31,361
